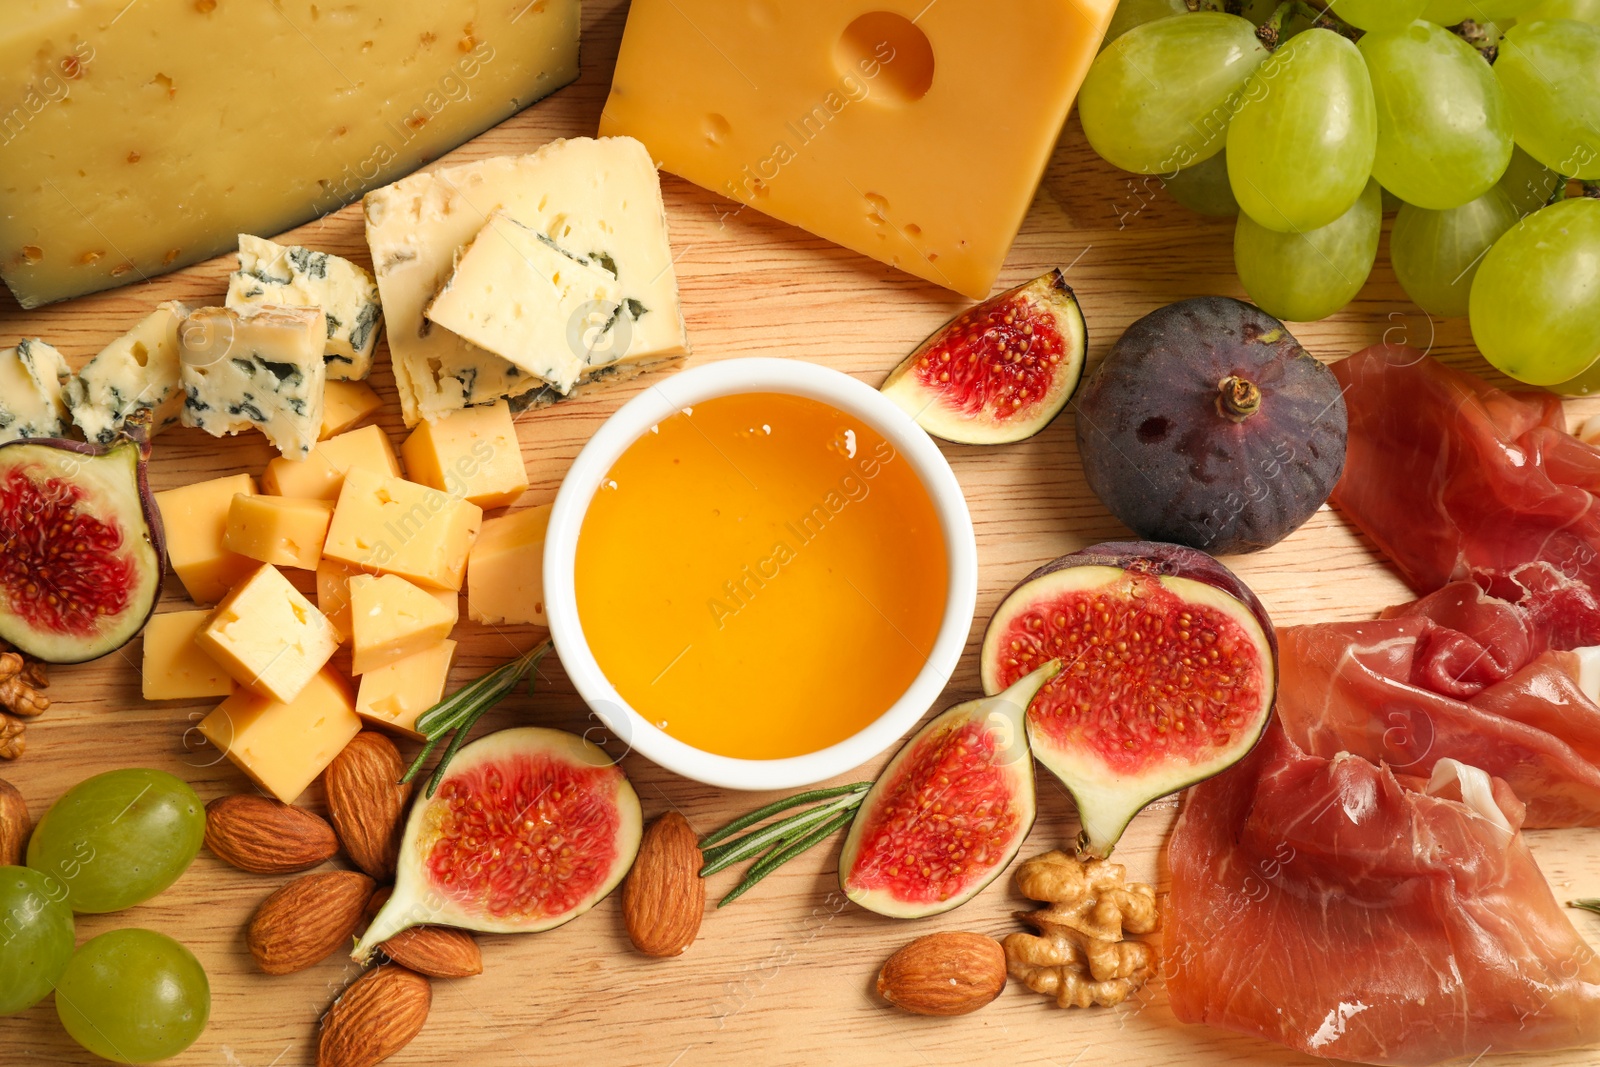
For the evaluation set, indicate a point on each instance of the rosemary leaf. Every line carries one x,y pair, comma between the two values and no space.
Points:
1592,904
781,831
774,860
457,713
780,805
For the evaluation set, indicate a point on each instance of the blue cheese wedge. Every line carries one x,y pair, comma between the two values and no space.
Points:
599,200
32,380
517,294
291,276
136,372
255,368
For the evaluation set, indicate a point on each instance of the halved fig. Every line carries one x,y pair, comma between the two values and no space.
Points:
1169,672
999,371
949,812
81,545
529,829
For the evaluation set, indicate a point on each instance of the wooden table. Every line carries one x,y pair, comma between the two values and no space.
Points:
785,975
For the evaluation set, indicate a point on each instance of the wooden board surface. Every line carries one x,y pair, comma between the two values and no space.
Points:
784,976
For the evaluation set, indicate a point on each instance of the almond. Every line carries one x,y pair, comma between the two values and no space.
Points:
436,951
13,825
944,974
308,920
375,1018
367,803
266,836
664,898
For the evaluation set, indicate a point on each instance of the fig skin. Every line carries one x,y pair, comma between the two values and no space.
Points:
1208,425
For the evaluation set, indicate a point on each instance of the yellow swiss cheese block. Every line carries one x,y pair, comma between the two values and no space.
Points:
344,404
268,637
386,525
284,531
472,454
392,696
284,746
505,574
195,518
174,666
136,138
321,474
391,619
914,133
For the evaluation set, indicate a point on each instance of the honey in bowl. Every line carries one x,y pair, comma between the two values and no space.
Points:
761,575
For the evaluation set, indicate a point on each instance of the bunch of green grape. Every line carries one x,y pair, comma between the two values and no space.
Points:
1361,100
113,841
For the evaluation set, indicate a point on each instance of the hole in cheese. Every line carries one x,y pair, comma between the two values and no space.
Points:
892,46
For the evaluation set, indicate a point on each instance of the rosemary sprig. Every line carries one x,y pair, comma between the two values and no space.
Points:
457,713
1592,904
779,842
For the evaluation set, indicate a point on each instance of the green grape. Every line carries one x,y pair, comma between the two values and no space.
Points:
1258,11
1536,300
1203,188
1160,98
1444,131
1528,182
119,838
134,996
1131,13
1454,12
1436,253
1550,72
1306,276
1300,149
1379,14
1582,10
35,937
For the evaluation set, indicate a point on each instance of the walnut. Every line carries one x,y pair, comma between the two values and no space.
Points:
12,737
18,695
1080,955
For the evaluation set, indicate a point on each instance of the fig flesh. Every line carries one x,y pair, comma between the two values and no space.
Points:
999,371
1208,425
949,812
529,829
81,545
1168,674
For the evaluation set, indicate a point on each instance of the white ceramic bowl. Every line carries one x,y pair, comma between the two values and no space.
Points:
690,387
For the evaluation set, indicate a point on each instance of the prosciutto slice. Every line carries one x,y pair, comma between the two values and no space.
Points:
1457,675
1335,907
1456,479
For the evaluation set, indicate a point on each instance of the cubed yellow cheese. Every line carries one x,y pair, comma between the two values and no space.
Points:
915,135
505,575
392,526
174,666
268,637
472,454
321,475
333,596
284,531
196,520
391,619
394,695
284,746
344,404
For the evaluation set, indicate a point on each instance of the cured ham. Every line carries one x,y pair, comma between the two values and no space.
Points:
1456,479
1335,907
1457,675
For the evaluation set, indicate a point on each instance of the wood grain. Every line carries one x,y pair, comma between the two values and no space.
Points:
785,975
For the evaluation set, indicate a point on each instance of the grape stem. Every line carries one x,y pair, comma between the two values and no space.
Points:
1270,32
1590,189
1484,37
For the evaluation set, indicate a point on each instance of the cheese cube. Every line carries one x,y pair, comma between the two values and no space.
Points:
855,133
344,404
196,521
268,636
392,696
473,454
174,666
138,371
321,474
505,575
191,120
281,530
257,367
517,294
391,619
32,376
291,276
600,199
283,746
333,596
391,526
